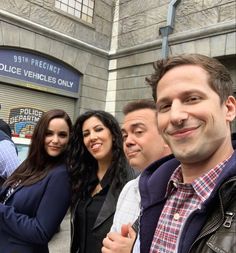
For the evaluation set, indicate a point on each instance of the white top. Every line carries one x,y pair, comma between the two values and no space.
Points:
128,205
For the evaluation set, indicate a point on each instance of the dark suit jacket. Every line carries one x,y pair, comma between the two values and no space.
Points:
32,214
104,219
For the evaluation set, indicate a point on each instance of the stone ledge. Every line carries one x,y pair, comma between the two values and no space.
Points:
34,27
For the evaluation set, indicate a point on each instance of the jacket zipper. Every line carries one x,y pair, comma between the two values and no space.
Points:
136,227
229,219
218,223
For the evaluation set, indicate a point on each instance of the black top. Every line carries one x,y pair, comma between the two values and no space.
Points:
92,217
86,214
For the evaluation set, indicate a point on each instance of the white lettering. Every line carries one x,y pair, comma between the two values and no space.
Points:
31,111
64,83
45,65
20,59
38,76
10,69
20,118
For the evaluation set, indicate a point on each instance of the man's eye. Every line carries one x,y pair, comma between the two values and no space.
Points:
138,132
164,108
124,137
193,99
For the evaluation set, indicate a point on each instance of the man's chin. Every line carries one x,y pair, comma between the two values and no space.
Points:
135,165
132,162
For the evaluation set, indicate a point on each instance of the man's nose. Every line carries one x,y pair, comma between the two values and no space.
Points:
178,113
129,140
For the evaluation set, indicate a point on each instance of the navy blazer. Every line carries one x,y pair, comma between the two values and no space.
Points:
32,214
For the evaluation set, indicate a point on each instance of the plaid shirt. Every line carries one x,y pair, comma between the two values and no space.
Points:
9,160
182,200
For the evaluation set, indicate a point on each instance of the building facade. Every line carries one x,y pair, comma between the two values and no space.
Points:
95,54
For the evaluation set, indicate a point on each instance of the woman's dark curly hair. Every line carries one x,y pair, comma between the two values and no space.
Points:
83,166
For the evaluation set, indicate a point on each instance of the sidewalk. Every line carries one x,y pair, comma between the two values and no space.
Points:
60,243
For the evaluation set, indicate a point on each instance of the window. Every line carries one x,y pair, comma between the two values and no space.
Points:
82,9
22,145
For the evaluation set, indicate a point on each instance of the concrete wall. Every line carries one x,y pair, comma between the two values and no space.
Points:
116,52
201,26
36,25
139,21
44,13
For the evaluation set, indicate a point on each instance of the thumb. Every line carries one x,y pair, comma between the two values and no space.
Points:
132,233
125,230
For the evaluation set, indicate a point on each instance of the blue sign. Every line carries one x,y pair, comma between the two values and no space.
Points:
33,68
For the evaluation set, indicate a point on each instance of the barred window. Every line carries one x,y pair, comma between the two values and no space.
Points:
82,9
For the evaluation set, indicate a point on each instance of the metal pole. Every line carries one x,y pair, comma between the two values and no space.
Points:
168,29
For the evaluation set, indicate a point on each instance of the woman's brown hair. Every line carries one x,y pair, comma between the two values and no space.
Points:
38,162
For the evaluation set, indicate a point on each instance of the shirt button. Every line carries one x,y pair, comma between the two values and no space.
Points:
175,185
176,216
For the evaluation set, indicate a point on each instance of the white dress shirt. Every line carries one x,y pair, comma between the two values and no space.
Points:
128,205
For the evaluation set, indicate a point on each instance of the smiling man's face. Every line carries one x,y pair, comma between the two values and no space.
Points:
190,116
141,140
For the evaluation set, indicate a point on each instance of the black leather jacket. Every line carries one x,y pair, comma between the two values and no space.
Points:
219,233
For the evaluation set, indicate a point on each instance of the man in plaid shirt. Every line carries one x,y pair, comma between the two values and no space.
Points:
189,203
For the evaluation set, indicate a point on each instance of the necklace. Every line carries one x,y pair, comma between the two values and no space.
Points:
11,190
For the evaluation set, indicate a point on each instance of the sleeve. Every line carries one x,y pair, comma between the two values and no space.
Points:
50,212
9,160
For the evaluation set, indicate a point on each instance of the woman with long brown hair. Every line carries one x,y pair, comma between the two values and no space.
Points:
35,198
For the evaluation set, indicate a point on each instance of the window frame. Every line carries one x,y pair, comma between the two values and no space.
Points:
85,14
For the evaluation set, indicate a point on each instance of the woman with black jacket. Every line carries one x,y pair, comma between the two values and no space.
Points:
99,170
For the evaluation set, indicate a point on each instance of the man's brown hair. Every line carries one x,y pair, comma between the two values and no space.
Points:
219,78
138,105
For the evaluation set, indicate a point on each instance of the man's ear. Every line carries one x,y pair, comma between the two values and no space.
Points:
230,104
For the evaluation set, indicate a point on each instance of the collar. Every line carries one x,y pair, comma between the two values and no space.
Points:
203,185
